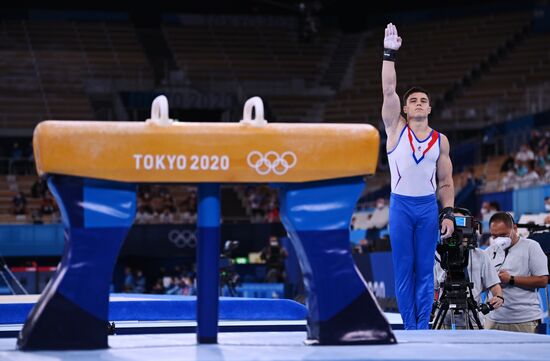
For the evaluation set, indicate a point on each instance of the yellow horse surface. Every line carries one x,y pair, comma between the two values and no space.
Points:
205,152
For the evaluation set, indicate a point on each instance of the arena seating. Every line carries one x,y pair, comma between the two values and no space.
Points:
210,53
47,65
436,55
235,207
512,87
479,70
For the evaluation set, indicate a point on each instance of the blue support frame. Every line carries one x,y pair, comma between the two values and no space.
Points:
342,310
72,312
208,256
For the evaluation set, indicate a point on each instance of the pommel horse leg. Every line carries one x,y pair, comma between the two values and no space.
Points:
72,312
342,310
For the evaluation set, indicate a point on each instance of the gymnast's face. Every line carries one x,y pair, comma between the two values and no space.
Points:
417,107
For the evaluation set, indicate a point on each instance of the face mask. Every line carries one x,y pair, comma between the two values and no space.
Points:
380,205
502,242
484,211
547,207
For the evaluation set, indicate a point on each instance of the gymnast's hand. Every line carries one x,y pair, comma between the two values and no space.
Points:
391,39
447,228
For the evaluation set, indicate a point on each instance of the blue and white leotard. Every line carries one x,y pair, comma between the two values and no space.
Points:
413,224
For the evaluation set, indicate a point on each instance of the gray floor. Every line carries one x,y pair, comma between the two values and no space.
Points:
413,345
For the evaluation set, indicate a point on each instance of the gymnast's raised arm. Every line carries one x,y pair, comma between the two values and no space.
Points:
391,107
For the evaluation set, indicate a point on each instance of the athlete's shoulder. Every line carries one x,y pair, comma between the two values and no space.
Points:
444,142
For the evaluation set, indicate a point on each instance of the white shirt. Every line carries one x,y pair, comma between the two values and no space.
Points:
413,164
529,179
525,155
525,258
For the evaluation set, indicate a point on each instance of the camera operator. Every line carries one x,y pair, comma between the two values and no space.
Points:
522,268
274,256
479,271
228,275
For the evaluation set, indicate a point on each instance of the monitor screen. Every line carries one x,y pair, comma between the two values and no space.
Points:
460,221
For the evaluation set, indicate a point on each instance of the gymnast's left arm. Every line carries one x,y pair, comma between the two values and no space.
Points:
445,184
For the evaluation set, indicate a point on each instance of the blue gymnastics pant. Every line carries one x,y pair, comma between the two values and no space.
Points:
414,233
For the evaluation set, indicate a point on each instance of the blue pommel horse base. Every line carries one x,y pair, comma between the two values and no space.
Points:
318,188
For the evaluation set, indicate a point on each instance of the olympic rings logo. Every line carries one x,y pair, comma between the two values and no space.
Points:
271,162
182,239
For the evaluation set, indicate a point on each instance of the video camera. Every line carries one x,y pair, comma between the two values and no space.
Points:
454,253
454,249
466,228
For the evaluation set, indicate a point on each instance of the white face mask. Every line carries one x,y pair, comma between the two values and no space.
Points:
547,207
502,242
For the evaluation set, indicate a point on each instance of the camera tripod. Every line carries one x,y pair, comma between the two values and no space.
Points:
457,290
229,278
458,297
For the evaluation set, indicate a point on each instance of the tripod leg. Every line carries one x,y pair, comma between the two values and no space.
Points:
440,310
473,310
437,315
440,318
477,320
472,307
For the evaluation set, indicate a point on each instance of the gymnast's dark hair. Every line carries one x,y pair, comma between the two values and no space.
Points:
416,89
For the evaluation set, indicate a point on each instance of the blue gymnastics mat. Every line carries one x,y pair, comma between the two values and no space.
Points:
444,345
145,307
